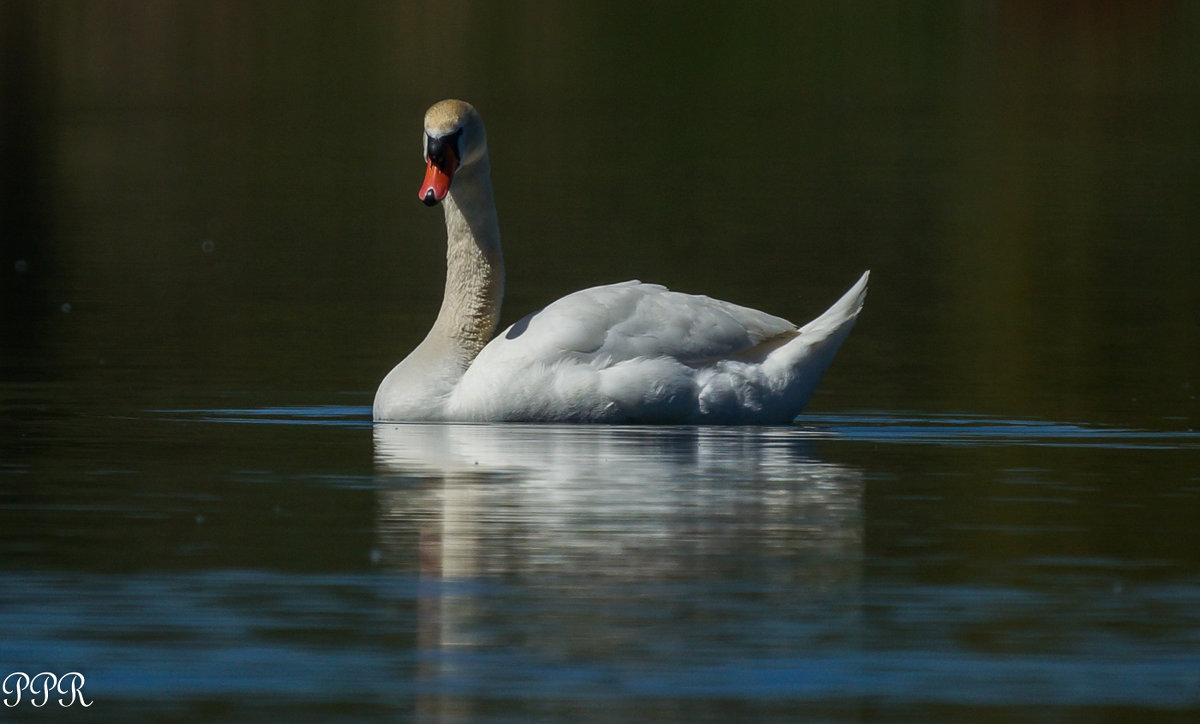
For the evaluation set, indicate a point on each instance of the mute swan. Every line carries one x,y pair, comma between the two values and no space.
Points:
621,353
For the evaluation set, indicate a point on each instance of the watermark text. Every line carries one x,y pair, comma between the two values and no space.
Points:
39,689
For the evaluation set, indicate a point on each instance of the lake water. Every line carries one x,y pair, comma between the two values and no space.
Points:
212,252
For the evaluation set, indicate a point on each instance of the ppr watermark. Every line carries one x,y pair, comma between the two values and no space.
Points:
67,689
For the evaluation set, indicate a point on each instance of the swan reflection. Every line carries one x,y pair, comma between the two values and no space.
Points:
554,558
616,504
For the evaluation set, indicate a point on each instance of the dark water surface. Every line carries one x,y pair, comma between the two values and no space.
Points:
211,252
264,564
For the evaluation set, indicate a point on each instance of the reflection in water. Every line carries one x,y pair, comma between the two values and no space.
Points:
574,544
625,503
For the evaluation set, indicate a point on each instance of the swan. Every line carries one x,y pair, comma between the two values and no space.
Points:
619,353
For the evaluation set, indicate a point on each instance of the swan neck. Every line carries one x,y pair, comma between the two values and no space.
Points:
474,265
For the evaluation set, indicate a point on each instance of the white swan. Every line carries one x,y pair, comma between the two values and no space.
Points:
629,352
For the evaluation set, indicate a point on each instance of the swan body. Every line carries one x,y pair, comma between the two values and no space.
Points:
620,353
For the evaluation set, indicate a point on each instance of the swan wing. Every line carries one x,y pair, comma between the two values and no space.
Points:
628,351
610,324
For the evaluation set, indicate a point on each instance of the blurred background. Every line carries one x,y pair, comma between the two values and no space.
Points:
211,198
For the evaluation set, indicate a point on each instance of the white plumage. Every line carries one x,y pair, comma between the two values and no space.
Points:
629,352
636,352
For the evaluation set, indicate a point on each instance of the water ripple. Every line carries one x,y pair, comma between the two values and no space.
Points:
874,426
981,430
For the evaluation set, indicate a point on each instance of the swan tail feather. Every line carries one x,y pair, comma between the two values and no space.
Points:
799,365
843,310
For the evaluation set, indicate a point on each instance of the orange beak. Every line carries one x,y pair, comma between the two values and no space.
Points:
437,179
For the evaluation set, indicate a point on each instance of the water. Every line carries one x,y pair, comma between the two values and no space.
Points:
298,563
211,252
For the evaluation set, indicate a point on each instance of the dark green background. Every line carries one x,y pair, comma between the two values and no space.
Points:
1020,177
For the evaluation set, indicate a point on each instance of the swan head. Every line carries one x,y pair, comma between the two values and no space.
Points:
454,138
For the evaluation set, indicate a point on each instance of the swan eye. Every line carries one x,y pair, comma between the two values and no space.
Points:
444,149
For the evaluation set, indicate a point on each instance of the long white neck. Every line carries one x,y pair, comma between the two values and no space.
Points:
474,267
419,387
